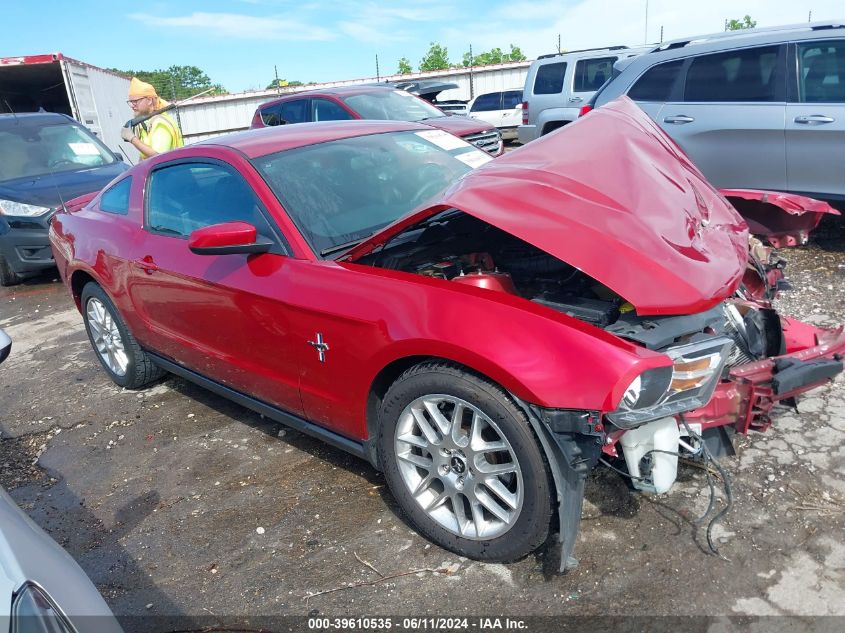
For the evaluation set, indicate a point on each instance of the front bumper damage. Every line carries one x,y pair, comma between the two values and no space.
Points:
743,400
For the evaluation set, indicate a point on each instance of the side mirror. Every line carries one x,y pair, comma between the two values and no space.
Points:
118,156
227,238
5,345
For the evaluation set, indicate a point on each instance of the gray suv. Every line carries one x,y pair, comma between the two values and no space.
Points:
558,85
758,109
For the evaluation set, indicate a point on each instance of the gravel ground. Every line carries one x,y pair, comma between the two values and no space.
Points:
177,502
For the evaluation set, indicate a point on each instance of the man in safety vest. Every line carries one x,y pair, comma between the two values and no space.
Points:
156,135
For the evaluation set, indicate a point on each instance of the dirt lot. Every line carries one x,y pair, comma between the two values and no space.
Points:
177,502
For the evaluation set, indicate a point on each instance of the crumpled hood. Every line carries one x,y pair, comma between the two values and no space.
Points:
612,195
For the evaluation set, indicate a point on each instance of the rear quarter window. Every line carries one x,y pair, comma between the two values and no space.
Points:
549,79
657,82
115,199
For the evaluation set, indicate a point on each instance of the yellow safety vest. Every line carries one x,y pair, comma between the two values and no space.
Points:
161,133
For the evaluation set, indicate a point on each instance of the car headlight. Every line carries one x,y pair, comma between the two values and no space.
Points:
21,209
688,384
34,612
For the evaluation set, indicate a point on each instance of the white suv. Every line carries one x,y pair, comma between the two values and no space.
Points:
558,85
502,109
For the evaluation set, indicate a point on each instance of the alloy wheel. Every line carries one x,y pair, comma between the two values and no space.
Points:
106,337
459,466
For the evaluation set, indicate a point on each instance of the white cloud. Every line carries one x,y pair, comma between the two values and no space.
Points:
240,26
534,26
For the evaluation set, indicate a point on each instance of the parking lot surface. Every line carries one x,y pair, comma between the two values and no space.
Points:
178,502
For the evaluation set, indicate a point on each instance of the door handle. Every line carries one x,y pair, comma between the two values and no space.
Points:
679,119
814,119
147,265
575,99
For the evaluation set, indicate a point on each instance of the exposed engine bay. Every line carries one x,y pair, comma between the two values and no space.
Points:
460,248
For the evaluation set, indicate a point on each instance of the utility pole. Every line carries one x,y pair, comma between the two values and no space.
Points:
645,39
810,17
661,33
471,86
378,75
276,73
558,43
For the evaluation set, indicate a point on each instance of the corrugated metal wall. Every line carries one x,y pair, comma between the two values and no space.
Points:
208,117
108,92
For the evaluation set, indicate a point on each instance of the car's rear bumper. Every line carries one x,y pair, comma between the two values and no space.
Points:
24,244
509,133
526,133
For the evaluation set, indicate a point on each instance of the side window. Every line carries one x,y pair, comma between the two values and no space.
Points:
295,111
184,197
488,102
511,99
270,115
325,110
743,75
590,74
656,84
115,199
549,79
821,72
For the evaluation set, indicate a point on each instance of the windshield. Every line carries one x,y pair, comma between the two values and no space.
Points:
28,150
341,192
392,105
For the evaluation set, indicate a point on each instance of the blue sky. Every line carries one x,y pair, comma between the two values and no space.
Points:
237,42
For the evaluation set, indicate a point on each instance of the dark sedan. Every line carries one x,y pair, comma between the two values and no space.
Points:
45,159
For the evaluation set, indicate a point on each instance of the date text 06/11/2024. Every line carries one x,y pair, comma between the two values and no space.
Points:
431,623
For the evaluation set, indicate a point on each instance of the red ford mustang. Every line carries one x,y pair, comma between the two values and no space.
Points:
483,331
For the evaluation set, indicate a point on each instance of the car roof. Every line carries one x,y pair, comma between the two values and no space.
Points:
336,91
729,39
268,140
33,119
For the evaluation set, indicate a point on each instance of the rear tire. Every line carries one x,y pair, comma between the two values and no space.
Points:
117,350
461,459
8,277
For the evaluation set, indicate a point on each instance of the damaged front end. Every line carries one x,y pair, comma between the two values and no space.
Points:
781,219
652,255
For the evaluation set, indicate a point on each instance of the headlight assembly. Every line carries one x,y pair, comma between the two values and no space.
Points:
34,612
685,386
21,209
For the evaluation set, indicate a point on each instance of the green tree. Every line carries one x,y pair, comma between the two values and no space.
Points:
176,82
437,58
738,25
493,56
404,66
282,83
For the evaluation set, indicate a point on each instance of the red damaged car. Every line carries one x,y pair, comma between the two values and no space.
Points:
483,331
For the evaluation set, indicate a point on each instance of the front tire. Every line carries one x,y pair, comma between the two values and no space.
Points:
463,463
8,277
117,350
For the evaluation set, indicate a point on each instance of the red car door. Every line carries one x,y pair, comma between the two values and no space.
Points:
214,314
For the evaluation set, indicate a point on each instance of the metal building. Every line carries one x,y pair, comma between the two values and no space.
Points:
209,116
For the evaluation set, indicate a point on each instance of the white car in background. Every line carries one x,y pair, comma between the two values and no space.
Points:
502,109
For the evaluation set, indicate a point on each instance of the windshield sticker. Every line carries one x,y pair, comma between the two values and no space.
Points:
475,158
84,149
443,140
